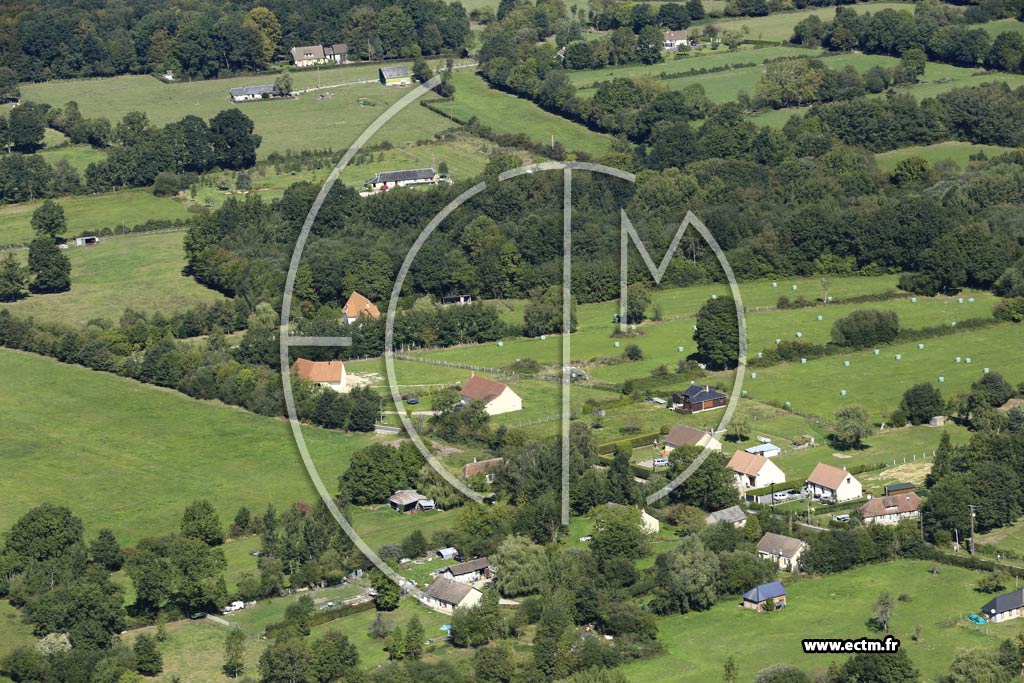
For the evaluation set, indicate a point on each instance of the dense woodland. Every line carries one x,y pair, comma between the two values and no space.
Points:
43,40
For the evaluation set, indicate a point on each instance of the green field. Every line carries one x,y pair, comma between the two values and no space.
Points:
957,152
506,113
878,382
79,156
140,271
779,25
303,122
1010,538
684,62
130,456
194,650
1000,26
659,340
827,607
91,213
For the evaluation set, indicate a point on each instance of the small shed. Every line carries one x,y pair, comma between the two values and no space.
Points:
766,450
87,241
447,553
410,500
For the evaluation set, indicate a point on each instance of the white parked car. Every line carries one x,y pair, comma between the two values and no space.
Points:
661,462
780,497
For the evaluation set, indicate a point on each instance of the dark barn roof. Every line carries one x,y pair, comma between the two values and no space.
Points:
1004,603
698,393
399,176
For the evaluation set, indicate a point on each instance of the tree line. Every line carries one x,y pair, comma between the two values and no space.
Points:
145,349
940,31
137,151
50,40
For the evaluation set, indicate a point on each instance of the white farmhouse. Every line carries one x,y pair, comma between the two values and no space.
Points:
497,398
330,374
752,471
833,483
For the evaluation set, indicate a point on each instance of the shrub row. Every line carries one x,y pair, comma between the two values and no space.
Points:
323,616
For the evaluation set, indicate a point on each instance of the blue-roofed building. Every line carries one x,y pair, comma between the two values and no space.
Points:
758,598
765,450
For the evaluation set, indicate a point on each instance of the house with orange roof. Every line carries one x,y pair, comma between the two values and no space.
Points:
330,374
497,398
752,471
833,484
358,306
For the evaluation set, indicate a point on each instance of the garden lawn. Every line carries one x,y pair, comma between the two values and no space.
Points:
834,606
194,652
91,214
303,122
130,456
371,651
506,113
141,271
379,524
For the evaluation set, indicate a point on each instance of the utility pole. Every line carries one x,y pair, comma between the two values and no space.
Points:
972,507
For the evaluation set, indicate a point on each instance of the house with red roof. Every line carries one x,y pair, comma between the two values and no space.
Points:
752,471
330,374
497,398
358,306
891,509
833,484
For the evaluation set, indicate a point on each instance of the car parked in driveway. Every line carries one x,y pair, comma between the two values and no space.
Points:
780,496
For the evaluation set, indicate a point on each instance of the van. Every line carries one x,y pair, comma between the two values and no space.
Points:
842,518
661,462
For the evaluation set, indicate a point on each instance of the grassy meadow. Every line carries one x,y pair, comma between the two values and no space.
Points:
91,213
878,382
303,122
958,152
779,25
140,271
828,607
131,456
506,113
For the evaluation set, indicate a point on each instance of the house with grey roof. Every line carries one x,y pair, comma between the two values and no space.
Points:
385,180
395,75
444,595
251,92
1005,607
308,55
468,572
734,515
784,551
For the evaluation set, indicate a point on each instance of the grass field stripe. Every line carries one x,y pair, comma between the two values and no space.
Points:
566,333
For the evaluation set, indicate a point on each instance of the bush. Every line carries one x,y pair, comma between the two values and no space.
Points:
633,352
166,184
866,328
